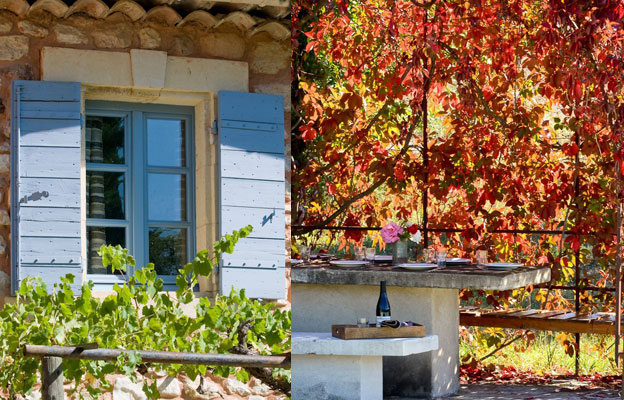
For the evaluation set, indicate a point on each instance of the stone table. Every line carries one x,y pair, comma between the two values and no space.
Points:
324,295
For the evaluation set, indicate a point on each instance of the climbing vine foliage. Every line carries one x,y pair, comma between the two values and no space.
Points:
139,315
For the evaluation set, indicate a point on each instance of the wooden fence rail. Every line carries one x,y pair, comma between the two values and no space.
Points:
52,362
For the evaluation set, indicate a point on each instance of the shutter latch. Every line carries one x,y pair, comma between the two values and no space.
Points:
34,197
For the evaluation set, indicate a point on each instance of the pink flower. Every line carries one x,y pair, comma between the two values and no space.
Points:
390,233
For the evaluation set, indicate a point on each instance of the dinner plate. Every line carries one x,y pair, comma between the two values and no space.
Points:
503,266
348,263
417,266
457,261
383,258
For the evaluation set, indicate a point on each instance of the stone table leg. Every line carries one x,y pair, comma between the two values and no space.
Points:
327,377
315,308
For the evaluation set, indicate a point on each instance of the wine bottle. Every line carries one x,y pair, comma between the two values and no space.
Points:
383,305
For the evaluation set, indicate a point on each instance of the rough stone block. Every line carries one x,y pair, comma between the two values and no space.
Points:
232,386
182,46
269,58
13,48
223,45
114,37
169,388
32,29
149,38
259,388
5,285
125,389
69,35
5,159
5,25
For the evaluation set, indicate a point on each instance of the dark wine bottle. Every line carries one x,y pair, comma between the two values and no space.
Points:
383,305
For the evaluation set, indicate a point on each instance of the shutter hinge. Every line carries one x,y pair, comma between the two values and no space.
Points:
215,127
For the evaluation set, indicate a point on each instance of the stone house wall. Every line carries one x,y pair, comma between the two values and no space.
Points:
90,24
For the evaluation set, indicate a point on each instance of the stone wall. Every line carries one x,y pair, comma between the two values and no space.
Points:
25,30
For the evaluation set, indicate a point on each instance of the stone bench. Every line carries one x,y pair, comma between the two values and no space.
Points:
325,367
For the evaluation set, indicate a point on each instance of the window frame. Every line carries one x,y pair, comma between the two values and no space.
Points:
137,221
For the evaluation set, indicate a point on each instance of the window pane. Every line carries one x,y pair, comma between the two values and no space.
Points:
96,237
105,140
167,249
166,197
166,142
105,195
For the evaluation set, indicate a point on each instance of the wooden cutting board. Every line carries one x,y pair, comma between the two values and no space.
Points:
349,332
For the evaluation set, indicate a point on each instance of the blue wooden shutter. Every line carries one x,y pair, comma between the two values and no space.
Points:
252,192
45,179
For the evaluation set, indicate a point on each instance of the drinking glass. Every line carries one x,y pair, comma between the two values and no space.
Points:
359,253
441,258
429,256
369,253
304,252
481,257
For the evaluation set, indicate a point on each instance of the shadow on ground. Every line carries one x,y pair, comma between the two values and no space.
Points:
531,392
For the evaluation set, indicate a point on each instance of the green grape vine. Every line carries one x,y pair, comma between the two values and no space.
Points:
140,315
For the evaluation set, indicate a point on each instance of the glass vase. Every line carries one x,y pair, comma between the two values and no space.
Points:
399,252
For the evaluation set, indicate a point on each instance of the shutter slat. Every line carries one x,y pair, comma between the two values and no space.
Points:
45,177
248,165
268,222
262,141
56,92
54,132
252,192
268,246
50,222
50,162
251,107
51,274
62,193
258,283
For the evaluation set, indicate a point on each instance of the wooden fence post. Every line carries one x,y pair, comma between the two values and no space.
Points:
52,378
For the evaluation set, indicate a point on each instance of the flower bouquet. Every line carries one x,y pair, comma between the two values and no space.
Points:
399,235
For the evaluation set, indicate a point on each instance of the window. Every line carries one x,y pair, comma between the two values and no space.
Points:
139,185
144,177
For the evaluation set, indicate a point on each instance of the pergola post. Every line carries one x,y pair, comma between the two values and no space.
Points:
52,378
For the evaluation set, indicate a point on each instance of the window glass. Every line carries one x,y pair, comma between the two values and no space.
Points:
105,195
138,180
167,249
166,142
105,140
166,197
96,237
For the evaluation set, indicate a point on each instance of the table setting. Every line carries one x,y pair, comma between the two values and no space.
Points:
397,237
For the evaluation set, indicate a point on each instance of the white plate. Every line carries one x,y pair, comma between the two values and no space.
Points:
296,261
417,266
502,266
348,263
383,258
457,261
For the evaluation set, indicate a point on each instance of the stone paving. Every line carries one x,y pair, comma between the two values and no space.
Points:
531,392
